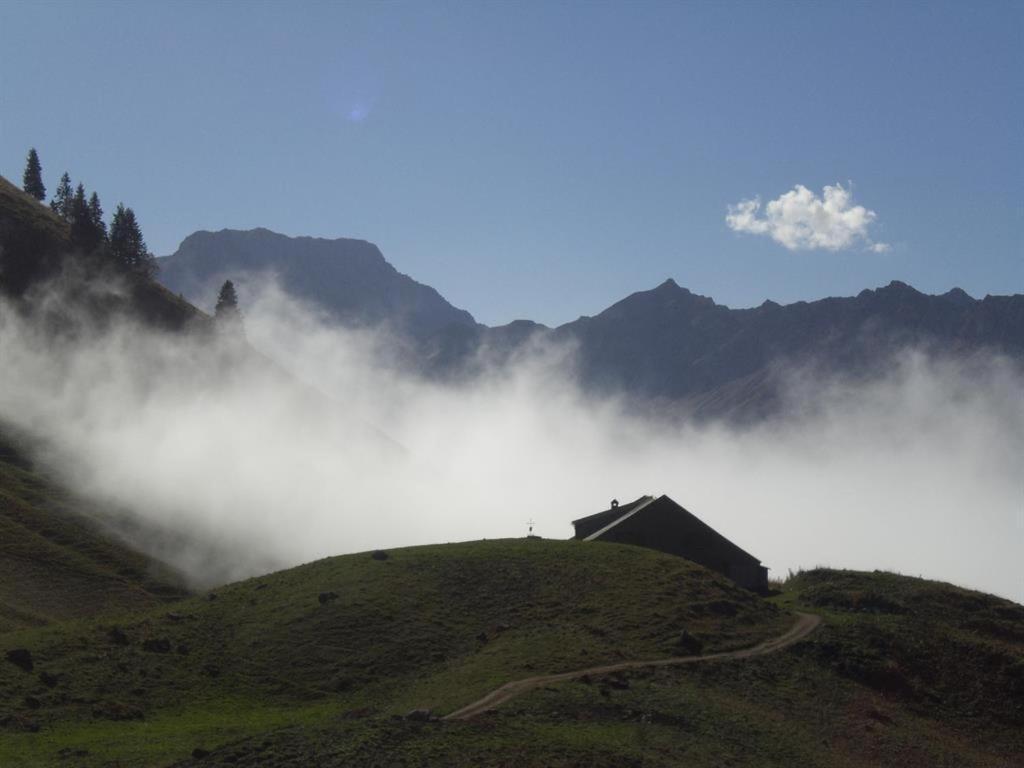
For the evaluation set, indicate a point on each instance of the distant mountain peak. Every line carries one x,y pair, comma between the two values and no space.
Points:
958,296
348,278
898,286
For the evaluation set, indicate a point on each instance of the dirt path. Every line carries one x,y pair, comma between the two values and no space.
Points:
805,624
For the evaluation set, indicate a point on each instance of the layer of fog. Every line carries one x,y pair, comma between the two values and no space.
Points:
918,471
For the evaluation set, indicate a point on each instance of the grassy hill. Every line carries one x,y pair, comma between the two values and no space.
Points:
36,246
431,627
315,666
56,561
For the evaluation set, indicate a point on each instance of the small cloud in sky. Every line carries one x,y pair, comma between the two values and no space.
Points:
800,220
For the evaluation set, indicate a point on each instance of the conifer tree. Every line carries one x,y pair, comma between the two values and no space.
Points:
61,202
80,222
126,243
99,227
33,179
226,313
227,301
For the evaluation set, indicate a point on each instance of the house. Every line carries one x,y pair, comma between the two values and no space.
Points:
659,523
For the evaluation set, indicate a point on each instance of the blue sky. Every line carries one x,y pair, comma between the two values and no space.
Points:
545,159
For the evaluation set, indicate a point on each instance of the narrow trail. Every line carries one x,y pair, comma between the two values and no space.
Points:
805,624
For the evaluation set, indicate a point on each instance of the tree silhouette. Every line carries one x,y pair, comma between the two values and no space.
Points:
33,179
99,227
81,223
226,313
61,202
227,302
127,246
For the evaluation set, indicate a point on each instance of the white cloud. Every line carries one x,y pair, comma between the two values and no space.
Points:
800,220
917,470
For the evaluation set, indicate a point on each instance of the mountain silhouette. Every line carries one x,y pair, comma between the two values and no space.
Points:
662,347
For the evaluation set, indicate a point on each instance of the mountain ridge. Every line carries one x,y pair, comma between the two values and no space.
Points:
667,346
307,267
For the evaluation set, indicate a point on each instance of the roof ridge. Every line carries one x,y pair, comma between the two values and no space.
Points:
646,501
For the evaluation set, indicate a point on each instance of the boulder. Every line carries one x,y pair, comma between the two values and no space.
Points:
379,554
157,645
117,636
618,682
21,658
50,681
687,643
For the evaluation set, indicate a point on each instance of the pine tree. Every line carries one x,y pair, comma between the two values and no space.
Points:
79,216
99,227
227,301
33,179
61,202
226,313
127,245
88,231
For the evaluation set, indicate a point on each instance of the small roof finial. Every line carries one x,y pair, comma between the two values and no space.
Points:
615,503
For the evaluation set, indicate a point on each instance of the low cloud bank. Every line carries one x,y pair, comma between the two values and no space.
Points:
916,471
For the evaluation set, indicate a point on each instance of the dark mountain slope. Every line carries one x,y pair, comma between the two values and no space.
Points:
348,278
668,344
666,348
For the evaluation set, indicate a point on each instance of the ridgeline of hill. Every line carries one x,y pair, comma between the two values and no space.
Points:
666,346
317,664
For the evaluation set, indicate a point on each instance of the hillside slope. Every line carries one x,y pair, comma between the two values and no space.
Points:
433,627
311,666
36,247
56,561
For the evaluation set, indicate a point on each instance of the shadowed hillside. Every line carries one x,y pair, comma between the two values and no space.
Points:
36,248
431,627
56,561
311,665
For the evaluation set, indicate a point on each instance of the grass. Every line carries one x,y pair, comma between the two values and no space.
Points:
317,664
432,627
805,707
56,562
